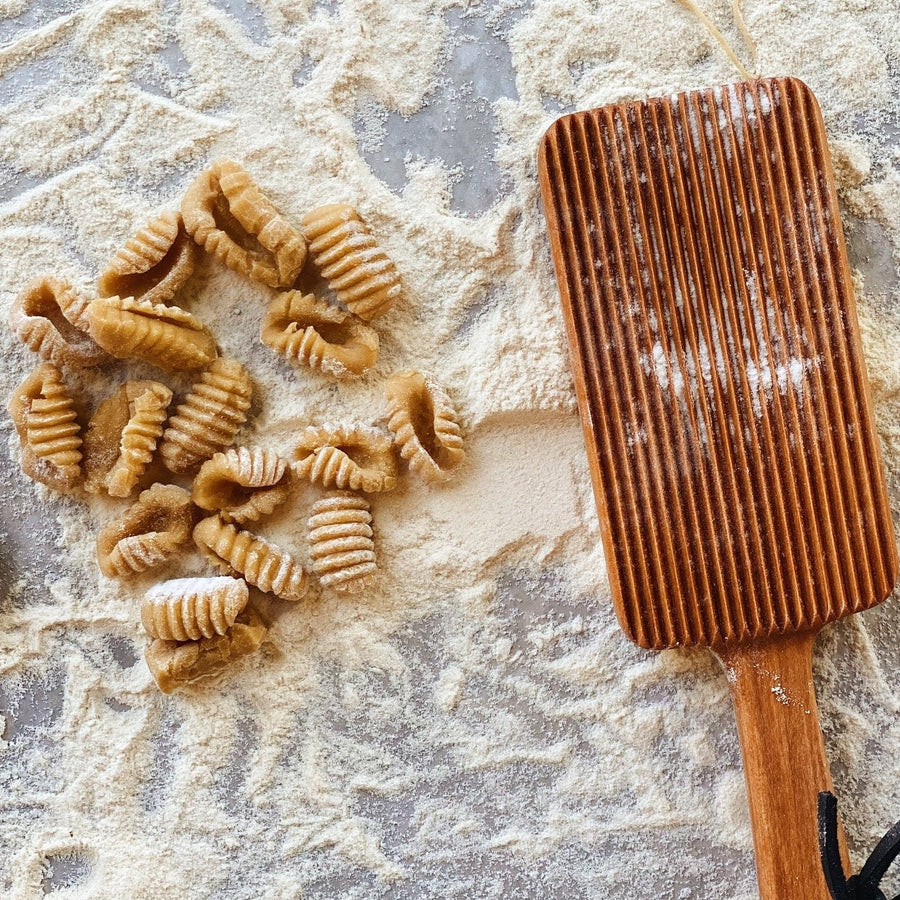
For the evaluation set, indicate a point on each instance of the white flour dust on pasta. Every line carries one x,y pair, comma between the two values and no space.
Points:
475,724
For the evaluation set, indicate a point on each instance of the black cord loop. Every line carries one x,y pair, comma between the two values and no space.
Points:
865,885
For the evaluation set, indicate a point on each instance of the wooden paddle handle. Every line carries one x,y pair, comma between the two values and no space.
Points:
784,762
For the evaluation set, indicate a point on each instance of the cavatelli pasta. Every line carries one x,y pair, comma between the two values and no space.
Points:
354,457
242,484
50,318
174,663
188,609
340,540
138,441
311,331
51,423
122,436
47,424
153,264
260,563
424,424
232,219
209,418
156,527
138,552
356,268
165,336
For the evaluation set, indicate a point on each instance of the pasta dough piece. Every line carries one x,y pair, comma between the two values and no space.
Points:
188,609
156,527
308,330
237,552
173,664
354,457
47,424
122,436
356,268
153,264
165,336
242,485
340,539
232,219
50,318
138,552
209,418
424,425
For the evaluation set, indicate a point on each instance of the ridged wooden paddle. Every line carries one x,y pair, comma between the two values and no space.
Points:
726,411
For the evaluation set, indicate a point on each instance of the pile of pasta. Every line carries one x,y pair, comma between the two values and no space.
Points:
198,625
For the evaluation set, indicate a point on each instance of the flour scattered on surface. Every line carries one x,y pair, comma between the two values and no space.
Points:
478,725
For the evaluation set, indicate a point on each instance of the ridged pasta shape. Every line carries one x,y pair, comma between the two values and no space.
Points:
50,318
164,336
122,437
311,331
138,553
424,424
232,219
45,419
209,418
243,485
260,563
51,423
340,541
153,264
347,457
175,663
139,438
188,609
356,268
157,526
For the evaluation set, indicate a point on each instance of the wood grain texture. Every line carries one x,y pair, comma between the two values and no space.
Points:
718,366
784,762
726,411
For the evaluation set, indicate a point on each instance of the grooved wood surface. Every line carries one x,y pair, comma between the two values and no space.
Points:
711,320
